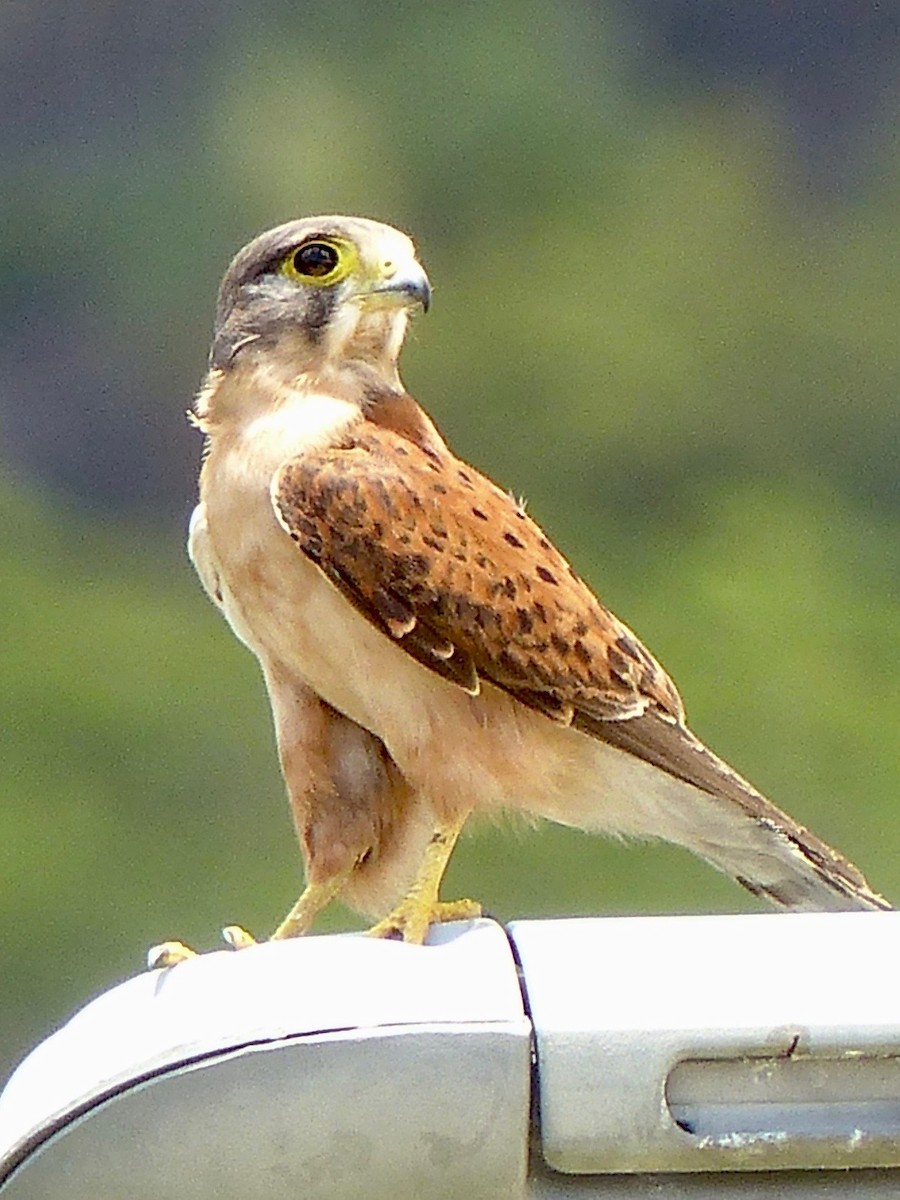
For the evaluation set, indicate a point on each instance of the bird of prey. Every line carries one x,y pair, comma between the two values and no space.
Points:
427,651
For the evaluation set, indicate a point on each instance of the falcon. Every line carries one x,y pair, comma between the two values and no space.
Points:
427,651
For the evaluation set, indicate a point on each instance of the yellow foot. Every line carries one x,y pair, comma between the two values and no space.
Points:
170,954
412,918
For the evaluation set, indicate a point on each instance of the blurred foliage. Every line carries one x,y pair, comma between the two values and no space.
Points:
688,367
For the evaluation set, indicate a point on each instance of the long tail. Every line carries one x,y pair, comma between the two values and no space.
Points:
723,818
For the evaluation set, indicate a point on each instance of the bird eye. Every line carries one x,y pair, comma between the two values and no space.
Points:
315,260
320,260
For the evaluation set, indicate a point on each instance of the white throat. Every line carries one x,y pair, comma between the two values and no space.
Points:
369,333
300,423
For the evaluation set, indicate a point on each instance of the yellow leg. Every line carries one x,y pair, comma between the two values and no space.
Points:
420,907
295,924
314,899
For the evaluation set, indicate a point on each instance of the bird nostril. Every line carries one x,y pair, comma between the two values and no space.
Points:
388,269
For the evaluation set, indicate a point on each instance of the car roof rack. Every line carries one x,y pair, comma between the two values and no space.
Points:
696,1056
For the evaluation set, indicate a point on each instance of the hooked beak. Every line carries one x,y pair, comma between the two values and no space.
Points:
408,285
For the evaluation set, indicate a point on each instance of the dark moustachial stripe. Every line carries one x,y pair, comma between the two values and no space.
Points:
319,310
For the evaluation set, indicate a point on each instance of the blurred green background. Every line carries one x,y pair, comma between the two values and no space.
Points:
665,249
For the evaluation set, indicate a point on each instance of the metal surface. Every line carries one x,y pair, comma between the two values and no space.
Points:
544,1184
293,1069
398,1113
684,1058
789,1026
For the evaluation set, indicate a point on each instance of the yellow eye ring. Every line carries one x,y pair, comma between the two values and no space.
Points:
319,260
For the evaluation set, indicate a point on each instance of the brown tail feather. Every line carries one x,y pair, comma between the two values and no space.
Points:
774,856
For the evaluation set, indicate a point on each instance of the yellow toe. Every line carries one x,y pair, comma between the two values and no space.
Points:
237,937
168,954
412,918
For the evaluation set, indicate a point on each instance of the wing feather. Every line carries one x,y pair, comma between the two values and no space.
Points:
451,567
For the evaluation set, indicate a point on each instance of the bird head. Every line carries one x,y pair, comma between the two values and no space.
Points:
321,290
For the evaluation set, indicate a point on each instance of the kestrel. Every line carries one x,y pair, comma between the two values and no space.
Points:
427,651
